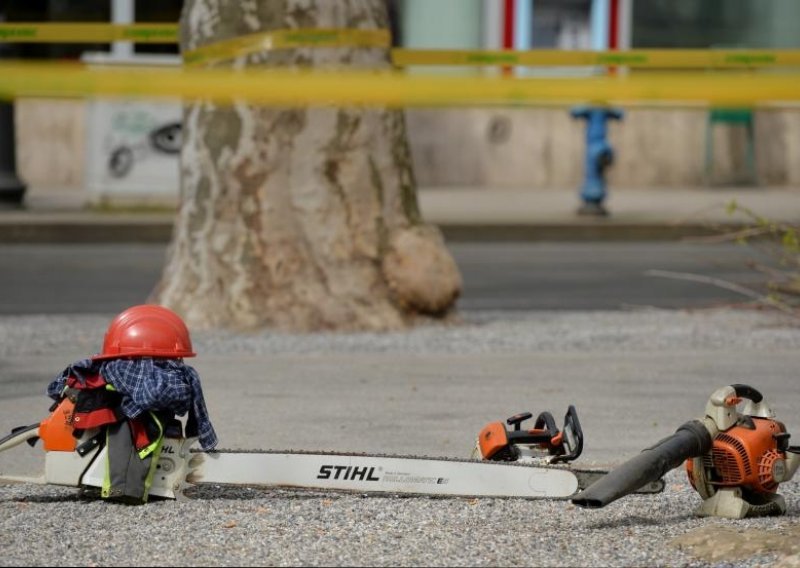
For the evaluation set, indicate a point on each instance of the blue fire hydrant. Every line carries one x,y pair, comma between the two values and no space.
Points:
599,156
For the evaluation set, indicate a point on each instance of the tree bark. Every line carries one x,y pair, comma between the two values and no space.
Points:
299,218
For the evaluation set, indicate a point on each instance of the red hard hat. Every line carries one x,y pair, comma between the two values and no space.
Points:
146,331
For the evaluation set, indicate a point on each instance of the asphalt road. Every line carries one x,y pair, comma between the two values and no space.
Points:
71,278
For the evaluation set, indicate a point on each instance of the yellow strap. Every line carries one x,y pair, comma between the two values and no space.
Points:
283,87
639,58
35,32
285,39
105,489
156,444
321,37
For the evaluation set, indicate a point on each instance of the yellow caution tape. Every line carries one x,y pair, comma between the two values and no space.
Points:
303,88
88,33
285,39
653,58
311,37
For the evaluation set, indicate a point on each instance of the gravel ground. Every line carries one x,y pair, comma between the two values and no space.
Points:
49,526
481,332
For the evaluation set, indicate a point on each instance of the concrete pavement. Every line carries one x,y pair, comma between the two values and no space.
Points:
634,213
463,213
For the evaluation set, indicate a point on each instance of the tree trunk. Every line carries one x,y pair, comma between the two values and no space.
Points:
299,218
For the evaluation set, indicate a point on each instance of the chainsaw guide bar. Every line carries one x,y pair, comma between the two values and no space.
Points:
393,474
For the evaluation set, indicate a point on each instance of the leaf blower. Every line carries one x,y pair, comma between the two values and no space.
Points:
735,456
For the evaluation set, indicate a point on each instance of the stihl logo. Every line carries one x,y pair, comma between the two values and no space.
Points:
347,473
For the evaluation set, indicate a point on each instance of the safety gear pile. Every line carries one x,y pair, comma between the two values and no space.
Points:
127,397
147,384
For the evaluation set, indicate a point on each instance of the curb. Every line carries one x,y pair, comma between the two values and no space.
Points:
100,231
32,231
579,232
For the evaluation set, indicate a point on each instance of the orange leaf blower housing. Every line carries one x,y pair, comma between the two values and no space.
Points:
747,456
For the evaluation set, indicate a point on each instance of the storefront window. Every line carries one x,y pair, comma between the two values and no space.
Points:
716,23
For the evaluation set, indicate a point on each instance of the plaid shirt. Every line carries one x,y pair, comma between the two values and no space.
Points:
148,384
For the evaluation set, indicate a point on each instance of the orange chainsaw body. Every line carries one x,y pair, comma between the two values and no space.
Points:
492,439
56,431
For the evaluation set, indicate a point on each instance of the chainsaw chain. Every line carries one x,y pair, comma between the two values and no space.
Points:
585,476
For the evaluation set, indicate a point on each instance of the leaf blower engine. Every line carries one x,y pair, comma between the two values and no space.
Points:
736,456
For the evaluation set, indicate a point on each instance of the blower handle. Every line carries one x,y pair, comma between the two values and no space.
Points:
689,441
746,391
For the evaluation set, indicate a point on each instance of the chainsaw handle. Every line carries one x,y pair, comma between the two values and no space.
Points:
543,432
748,392
518,419
546,422
573,437
564,445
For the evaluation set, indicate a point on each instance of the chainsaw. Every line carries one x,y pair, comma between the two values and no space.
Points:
736,456
515,463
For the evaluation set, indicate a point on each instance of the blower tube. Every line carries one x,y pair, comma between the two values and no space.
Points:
689,441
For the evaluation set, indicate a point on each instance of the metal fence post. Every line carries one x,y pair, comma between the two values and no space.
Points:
12,190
